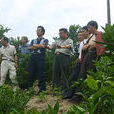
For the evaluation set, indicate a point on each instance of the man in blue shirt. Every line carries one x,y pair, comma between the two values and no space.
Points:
37,59
23,62
23,48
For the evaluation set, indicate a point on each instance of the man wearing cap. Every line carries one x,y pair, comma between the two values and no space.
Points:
9,61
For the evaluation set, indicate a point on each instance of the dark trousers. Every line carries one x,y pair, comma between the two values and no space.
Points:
61,70
75,76
37,65
76,71
88,64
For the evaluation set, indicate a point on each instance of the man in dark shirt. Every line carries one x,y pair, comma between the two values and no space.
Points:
37,59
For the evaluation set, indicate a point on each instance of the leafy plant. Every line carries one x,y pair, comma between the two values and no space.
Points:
49,110
10,100
3,30
108,37
42,95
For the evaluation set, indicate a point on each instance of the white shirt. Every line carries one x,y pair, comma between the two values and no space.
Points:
92,40
81,46
8,52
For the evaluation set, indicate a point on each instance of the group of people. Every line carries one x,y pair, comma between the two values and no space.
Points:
88,51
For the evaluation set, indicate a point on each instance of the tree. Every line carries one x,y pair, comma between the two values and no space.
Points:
73,32
2,31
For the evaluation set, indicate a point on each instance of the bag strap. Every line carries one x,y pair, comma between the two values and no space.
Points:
89,39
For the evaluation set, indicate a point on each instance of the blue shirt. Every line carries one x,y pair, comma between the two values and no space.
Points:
39,41
24,49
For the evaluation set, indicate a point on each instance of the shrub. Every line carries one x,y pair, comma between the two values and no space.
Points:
10,100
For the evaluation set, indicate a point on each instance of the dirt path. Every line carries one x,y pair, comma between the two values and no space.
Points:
42,104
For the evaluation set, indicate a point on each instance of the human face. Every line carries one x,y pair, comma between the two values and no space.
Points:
39,32
62,34
85,34
80,37
3,42
23,41
91,29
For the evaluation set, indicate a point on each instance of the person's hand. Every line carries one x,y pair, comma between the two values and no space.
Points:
35,45
58,46
32,48
92,46
16,65
49,47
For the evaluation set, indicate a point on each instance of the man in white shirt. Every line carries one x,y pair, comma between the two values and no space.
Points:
9,61
76,71
86,36
80,39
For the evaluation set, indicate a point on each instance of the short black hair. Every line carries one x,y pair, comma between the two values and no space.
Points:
5,39
43,30
25,38
80,31
85,28
93,23
63,29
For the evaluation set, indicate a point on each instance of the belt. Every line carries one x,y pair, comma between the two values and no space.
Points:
37,54
8,60
58,53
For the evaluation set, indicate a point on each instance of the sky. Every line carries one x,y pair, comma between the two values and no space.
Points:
23,16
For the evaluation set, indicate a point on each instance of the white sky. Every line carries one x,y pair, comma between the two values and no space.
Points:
23,16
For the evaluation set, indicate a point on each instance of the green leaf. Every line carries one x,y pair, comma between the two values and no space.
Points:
92,83
56,107
111,83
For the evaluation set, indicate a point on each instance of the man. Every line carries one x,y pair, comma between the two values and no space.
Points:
37,59
9,61
92,49
64,47
80,39
24,46
75,74
23,62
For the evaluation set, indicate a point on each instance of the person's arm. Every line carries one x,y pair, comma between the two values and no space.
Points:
15,57
49,47
85,47
36,46
93,46
31,47
43,45
16,60
68,46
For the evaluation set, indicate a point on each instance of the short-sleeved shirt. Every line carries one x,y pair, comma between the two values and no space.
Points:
39,41
76,48
65,51
8,52
81,46
92,40
24,49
